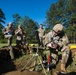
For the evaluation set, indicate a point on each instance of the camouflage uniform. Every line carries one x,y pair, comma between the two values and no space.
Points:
19,38
53,52
41,33
24,38
62,43
8,33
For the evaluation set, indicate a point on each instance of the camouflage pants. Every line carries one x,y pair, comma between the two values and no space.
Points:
11,52
41,41
65,54
9,37
53,56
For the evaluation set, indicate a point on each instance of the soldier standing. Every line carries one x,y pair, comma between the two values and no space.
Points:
41,33
20,39
56,40
8,33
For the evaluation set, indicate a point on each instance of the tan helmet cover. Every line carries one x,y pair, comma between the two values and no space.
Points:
58,27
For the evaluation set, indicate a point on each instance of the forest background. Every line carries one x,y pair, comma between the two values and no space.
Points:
62,11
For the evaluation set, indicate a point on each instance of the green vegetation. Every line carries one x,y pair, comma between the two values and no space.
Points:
5,44
62,11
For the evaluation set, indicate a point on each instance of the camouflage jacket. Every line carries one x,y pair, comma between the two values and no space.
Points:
61,41
41,32
20,34
7,30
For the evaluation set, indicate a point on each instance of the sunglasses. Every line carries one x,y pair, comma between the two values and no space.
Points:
57,32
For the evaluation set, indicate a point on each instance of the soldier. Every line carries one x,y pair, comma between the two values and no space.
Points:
24,38
19,33
8,33
20,39
41,33
56,40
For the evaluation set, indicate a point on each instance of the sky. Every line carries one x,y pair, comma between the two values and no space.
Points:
34,9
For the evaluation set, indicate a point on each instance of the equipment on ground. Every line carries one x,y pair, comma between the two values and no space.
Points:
37,60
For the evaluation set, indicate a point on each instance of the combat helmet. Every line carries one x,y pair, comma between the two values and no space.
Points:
58,28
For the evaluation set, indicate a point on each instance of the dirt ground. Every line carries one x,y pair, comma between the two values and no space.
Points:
9,67
22,73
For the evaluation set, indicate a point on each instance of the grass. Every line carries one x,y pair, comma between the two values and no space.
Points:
23,60
5,44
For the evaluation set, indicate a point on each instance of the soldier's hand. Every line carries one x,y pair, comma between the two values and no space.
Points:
49,45
52,45
55,45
